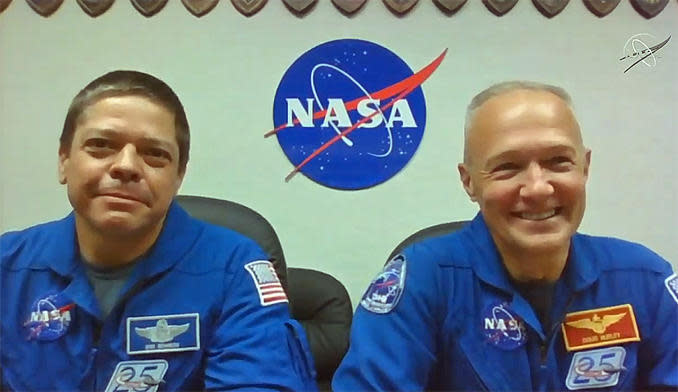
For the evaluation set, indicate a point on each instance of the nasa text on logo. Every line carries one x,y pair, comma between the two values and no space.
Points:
50,317
637,51
350,114
502,327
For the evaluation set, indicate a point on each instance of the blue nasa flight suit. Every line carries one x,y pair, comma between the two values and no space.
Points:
190,316
439,335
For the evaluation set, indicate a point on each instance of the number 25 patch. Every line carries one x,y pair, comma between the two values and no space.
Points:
596,368
137,376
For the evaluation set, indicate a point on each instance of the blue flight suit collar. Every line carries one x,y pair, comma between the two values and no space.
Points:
579,273
64,256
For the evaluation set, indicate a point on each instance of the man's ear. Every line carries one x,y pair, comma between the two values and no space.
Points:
587,162
64,156
179,181
465,177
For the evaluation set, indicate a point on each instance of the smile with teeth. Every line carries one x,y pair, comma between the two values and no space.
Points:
536,216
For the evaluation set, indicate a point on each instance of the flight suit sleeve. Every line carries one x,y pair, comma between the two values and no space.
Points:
394,331
660,357
255,344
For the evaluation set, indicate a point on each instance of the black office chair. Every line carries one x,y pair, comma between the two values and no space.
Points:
242,219
428,232
317,300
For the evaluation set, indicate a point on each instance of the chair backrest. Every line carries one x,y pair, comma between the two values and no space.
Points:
428,232
322,305
241,219
317,300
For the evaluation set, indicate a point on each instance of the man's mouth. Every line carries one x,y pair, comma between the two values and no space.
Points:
538,216
124,196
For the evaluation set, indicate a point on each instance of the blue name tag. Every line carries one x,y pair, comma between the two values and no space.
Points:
163,333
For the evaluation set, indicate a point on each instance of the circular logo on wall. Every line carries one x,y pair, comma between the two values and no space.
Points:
350,114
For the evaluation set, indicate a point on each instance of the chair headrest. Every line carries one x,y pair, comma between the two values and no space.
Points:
428,232
241,219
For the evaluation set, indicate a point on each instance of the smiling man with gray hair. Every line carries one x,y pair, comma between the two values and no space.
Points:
517,300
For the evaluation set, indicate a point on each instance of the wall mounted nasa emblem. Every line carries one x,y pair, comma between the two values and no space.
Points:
50,317
350,114
601,8
387,288
502,327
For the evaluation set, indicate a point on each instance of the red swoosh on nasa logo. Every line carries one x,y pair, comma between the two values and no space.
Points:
387,92
403,87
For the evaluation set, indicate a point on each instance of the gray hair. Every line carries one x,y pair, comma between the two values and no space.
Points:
503,88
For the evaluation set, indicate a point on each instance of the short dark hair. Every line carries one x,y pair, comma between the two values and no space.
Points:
122,82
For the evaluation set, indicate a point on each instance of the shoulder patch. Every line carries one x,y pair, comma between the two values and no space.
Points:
267,283
671,284
386,289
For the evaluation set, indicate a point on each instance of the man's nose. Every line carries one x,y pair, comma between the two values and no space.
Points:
127,165
537,182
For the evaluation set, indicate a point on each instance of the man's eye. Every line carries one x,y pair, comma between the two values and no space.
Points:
98,143
560,160
158,153
505,166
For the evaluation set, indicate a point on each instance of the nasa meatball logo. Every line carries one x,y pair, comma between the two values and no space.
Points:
350,114
502,327
49,318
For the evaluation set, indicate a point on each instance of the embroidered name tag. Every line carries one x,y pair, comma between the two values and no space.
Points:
596,368
600,327
163,333
137,376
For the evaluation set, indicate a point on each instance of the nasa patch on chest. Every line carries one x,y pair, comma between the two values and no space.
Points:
137,376
387,288
502,327
163,333
50,317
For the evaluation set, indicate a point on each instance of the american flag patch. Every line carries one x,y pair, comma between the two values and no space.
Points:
267,282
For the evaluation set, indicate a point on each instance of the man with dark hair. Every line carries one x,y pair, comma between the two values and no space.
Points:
517,300
129,293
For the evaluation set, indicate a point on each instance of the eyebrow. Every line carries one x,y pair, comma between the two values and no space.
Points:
509,154
111,133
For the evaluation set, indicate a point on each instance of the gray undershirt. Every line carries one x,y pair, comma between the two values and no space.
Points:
107,283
